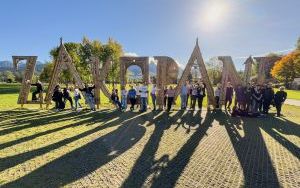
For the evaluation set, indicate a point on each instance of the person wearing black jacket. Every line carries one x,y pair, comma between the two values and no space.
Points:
39,89
268,96
115,98
89,96
200,95
279,99
57,97
67,96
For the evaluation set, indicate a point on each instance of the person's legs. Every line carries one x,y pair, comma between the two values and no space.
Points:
153,97
278,108
34,95
183,101
142,109
56,104
254,106
71,102
193,102
200,100
76,102
124,102
187,100
170,101
217,101
165,102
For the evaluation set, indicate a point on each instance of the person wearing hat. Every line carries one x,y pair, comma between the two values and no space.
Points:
279,99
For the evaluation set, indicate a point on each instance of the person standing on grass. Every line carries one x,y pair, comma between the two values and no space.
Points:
189,91
279,99
239,97
153,96
67,96
194,96
115,99
217,96
248,97
124,98
57,97
132,97
200,94
77,97
138,96
268,96
184,96
165,97
171,95
144,97
228,96
39,89
256,98
262,90
89,96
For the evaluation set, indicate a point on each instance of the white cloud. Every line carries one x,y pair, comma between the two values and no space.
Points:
179,64
130,54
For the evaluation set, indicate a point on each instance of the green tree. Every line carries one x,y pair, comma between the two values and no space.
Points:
46,72
298,44
9,76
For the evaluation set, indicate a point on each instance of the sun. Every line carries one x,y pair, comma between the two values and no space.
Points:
214,13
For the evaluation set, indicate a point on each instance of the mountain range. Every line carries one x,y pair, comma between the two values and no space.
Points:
8,66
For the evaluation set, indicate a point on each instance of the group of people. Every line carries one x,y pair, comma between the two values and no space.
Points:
252,100
62,95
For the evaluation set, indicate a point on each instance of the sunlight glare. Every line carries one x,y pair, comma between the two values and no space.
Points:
214,13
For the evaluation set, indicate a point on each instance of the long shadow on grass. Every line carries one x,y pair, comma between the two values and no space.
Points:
86,159
95,117
40,121
12,161
251,151
19,114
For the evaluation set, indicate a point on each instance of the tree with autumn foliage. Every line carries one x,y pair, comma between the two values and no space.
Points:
287,68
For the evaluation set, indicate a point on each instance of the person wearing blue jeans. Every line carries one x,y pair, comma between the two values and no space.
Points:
124,98
183,96
77,97
144,97
153,97
89,96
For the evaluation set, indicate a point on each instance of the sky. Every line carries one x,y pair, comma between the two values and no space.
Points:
236,28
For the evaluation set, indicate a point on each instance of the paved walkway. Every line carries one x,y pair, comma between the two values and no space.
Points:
180,149
293,102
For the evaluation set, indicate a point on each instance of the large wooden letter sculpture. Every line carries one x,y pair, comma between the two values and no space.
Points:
29,71
167,73
248,70
142,62
99,76
229,74
64,61
264,64
197,56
